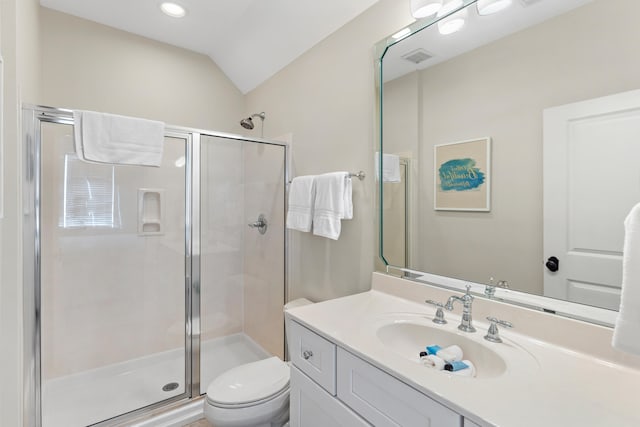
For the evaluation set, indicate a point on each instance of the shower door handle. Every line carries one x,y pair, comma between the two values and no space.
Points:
260,224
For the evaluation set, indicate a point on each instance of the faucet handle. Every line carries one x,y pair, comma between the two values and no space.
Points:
439,319
493,334
503,284
500,322
468,295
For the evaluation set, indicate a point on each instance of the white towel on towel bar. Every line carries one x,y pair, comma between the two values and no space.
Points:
113,139
302,195
333,204
626,335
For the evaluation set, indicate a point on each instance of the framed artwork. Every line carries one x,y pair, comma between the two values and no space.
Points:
462,176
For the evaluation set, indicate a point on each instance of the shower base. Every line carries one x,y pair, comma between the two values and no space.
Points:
89,397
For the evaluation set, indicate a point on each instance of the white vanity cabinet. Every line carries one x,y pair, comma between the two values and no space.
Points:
311,406
340,389
385,401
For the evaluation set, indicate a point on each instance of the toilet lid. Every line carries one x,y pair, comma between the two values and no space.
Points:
250,382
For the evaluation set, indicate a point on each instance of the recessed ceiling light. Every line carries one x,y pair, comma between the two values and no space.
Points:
172,9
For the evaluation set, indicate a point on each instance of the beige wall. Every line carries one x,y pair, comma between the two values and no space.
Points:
326,99
21,52
90,66
587,53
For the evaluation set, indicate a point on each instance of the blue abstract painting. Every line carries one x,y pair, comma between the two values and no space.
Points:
460,175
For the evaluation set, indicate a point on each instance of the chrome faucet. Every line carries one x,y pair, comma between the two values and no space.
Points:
466,324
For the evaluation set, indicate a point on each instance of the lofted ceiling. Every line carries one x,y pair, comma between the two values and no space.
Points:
250,40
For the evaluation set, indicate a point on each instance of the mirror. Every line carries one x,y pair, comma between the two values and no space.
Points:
538,106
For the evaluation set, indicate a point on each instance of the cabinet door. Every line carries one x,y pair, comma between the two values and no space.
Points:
385,401
469,423
311,406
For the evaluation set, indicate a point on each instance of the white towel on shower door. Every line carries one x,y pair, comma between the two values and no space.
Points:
113,139
333,204
626,335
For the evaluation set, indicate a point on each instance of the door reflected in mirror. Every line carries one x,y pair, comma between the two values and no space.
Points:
554,84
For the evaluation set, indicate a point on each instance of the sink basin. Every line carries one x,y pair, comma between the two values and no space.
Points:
408,339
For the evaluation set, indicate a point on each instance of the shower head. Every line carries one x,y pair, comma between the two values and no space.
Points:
248,122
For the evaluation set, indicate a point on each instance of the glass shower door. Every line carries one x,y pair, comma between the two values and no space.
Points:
112,283
242,268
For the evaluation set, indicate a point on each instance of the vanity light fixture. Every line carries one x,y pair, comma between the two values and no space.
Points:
424,8
451,23
173,9
487,7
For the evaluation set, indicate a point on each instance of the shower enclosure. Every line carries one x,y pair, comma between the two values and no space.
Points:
143,284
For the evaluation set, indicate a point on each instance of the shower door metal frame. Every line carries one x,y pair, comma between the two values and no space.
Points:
32,118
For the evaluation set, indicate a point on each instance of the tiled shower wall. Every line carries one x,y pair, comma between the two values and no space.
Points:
221,238
108,293
264,175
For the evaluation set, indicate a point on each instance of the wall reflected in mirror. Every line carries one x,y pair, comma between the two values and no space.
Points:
509,77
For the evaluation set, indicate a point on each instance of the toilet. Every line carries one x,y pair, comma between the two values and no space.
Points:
255,394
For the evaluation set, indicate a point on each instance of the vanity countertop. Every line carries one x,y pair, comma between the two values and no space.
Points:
544,384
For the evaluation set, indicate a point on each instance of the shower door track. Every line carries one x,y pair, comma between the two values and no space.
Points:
32,117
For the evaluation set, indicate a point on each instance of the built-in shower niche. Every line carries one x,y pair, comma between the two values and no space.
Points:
150,211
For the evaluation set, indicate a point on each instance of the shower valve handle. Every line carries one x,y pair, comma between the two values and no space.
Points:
260,224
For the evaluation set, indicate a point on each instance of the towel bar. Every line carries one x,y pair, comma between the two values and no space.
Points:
360,175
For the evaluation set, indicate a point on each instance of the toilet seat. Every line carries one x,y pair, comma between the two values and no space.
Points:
250,384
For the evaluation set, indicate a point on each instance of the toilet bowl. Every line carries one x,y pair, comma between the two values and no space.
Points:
255,394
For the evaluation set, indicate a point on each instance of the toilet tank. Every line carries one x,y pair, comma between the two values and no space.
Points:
297,303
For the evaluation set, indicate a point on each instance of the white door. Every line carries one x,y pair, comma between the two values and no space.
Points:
591,172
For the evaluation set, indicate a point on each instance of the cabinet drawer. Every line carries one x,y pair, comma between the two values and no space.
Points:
311,406
313,355
384,401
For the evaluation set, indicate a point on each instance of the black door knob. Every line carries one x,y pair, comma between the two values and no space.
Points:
553,263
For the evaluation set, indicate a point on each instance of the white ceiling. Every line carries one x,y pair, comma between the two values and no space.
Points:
250,40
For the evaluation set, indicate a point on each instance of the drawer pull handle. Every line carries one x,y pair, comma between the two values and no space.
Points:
307,354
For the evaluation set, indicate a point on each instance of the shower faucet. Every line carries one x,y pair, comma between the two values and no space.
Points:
260,224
